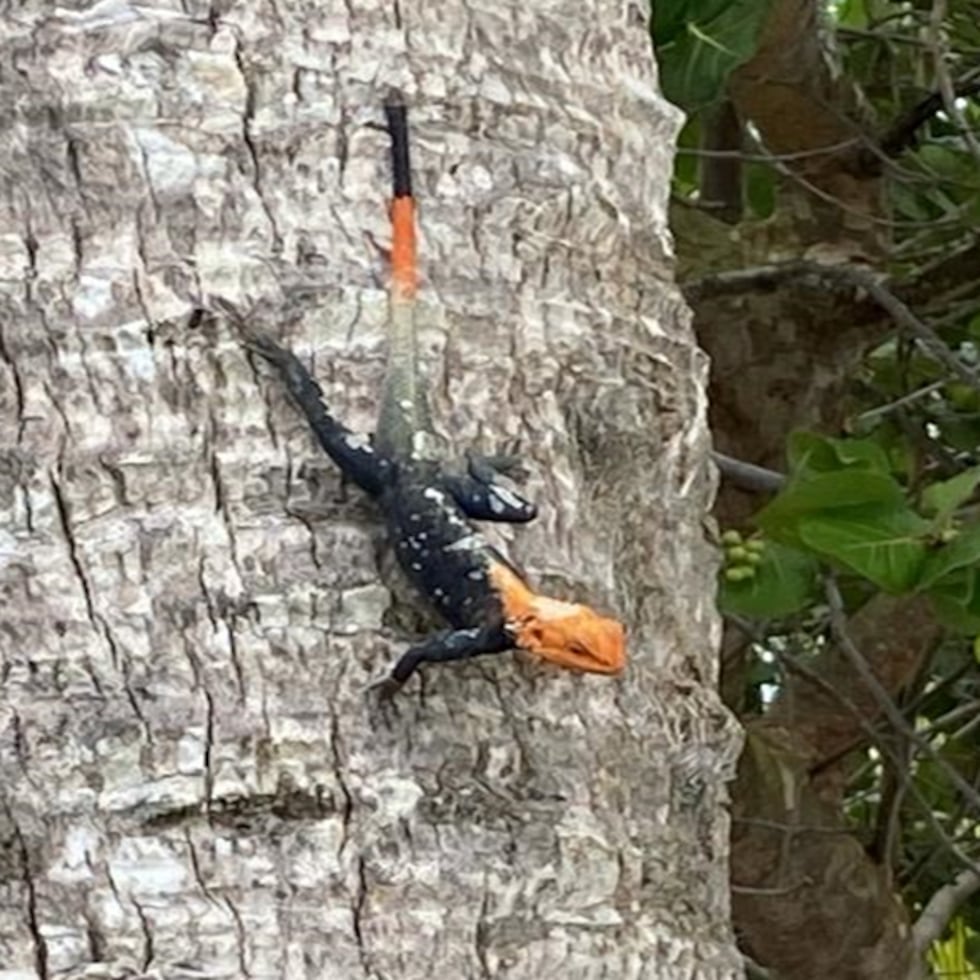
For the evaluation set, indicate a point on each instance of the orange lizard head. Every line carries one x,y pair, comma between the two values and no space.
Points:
564,633
573,636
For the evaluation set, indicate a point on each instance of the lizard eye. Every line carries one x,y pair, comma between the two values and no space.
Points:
578,649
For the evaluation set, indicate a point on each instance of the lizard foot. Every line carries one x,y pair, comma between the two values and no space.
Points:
385,689
381,695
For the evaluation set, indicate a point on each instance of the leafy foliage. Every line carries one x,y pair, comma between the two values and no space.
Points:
844,505
953,957
893,504
781,580
700,42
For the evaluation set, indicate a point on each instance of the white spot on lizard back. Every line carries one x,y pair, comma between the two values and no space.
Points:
470,542
358,443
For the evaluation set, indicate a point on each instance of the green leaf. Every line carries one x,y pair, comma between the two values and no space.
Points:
960,433
850,13
956,600
784,582
760,189
942,499
808,452
962,552
700,42
827,492
884,545
955,614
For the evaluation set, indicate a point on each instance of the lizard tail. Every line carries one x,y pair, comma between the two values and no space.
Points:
404,410
404,264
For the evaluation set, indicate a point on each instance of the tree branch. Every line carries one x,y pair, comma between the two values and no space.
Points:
748,476
940,48
888,754
932,923
902,133
838,625
841,277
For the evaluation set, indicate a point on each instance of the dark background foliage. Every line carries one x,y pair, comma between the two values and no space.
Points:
826,211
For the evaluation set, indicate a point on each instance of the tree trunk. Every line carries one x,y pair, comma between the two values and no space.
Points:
193,782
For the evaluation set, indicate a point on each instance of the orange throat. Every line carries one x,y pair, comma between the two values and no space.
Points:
563,633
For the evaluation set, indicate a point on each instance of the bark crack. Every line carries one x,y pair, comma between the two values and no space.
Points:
480,935
220,502
240,937
208,747
18,385
97,944
31,911
20,744
196,865
121,663
118,479
147,934
72,544
360,900
208,603
236,664
99,623
248,117
149,333
338,768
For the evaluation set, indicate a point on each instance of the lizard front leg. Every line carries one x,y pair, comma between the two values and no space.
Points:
444,646
482,497
489,501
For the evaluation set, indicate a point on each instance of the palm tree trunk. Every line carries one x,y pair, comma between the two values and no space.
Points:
193,783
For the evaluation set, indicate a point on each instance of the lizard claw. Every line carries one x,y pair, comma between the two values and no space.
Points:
486,468
266,346
385,689
381,694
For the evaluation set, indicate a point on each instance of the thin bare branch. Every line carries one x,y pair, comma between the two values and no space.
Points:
838,625
902,134
912,396
888,753
791,828
938,43
748,476
819,151
843,277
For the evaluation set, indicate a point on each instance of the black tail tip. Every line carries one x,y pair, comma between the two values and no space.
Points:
397,116
395,108
395,99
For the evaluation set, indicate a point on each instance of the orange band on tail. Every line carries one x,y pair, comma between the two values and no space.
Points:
404,268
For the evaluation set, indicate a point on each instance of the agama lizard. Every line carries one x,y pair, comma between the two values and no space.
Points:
428,508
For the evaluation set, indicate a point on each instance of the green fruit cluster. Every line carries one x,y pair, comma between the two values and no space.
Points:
742,555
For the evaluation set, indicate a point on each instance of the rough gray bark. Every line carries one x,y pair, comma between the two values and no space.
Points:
192,781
